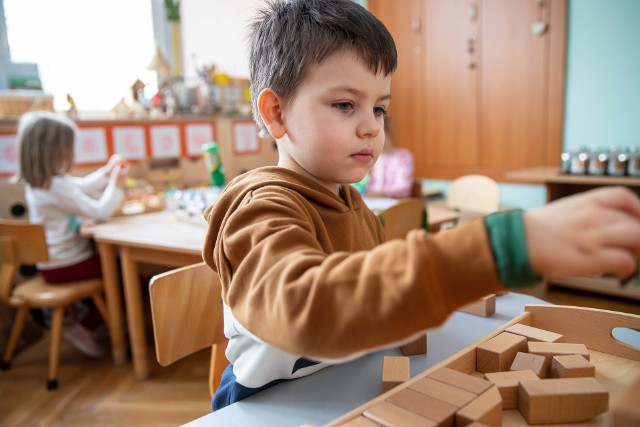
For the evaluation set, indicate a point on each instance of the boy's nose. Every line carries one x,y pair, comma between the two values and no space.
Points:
369,127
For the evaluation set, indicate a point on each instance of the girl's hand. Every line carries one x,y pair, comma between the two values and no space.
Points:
592,233
116,161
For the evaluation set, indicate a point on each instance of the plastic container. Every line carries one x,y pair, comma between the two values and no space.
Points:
213,161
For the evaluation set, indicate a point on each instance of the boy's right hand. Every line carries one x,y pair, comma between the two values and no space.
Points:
592,233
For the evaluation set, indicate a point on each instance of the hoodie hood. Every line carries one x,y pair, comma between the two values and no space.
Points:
239,188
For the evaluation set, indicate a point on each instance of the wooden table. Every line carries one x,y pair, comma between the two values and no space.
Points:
158,238
560,185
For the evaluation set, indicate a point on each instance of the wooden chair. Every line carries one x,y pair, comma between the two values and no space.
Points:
22,243
474,193
186,309
405,215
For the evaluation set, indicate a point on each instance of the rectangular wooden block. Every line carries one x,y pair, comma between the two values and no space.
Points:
534,362
418,346
550,349
445,392
395,370
461,380
485,409
426,406
498,353
484,307
388,414
360,421
571,366
561,400
507,384
534,334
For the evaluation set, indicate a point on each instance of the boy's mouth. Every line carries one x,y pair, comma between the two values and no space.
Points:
363,156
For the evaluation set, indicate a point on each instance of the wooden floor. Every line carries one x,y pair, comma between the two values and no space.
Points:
96,393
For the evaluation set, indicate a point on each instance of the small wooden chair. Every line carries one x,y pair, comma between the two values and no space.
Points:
22,243
186,309
406,215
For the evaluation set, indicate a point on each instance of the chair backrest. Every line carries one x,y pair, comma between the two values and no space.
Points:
186,309
474,193
21,243
399,219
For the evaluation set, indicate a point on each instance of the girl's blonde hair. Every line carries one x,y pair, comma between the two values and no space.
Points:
45,143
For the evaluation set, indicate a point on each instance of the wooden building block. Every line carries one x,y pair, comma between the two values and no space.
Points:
571,366
550,349
418,346
485,409
507,384
395,370
461,380
426,406
484,307
388,414
498,353
360,421
625,411
534,334
561,400
533,362
445,392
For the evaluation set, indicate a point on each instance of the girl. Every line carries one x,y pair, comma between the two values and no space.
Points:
59,202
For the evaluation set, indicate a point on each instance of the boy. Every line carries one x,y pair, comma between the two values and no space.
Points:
307,278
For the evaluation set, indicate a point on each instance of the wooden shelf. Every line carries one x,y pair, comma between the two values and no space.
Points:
609,286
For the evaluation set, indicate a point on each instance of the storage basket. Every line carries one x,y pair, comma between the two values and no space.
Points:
13,105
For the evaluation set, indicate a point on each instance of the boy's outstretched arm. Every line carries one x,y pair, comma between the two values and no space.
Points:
592,233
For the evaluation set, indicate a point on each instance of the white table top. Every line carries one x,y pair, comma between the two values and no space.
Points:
324,396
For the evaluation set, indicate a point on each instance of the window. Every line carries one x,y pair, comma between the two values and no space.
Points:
93,50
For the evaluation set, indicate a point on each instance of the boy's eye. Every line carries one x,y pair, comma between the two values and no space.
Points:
380,111
343,106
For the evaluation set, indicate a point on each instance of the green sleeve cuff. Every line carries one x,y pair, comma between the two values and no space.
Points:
508,240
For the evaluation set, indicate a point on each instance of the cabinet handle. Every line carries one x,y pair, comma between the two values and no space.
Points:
473,11
416,24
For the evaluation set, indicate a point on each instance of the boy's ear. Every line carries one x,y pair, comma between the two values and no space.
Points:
270,109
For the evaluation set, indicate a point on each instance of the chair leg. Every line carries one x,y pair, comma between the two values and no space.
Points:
57,319
16,331
218,364
98,301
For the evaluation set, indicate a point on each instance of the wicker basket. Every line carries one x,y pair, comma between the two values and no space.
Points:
13,105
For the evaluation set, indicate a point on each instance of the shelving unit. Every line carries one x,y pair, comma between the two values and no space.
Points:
560,185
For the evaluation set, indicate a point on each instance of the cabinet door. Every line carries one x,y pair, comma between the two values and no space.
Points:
451,75
403,19
513,83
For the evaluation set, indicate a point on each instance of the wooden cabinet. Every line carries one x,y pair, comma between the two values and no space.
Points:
480,83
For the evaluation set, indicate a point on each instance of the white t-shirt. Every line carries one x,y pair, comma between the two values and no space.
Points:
61,209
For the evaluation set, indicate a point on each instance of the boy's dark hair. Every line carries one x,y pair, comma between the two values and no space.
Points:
290,35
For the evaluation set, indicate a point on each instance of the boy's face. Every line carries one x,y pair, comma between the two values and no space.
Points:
334,123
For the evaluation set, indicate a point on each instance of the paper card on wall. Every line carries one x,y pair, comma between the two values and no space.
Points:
8,154
91,146
165,141
129,142
245,138
197,134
